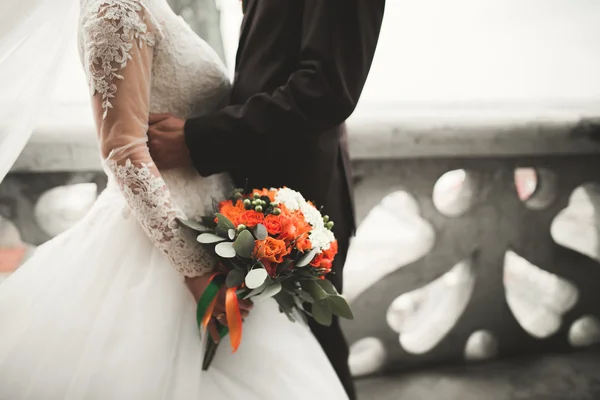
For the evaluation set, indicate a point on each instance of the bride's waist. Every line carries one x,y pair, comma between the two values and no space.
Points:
193,194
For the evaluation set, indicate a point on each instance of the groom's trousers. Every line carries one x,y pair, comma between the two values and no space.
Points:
332,338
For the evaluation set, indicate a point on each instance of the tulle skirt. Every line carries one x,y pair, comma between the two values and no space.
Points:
99,313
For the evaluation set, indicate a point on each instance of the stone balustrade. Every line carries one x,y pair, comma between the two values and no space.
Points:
478,231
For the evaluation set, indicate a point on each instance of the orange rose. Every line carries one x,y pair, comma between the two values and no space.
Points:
322,263
301,225
251,218
270,249
303,243
326,264
231,211
293,227
288,229
331,251
273,224
284,210
325,259
316,262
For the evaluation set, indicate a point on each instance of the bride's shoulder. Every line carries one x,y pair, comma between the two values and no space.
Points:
121,16
89,7
134,13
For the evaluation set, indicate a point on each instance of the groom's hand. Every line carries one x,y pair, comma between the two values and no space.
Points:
166,141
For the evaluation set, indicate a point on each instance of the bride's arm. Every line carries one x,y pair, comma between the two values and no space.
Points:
117,41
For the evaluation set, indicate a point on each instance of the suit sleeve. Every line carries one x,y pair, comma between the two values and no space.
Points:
339,38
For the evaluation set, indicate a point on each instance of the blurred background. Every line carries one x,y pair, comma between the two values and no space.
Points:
475,271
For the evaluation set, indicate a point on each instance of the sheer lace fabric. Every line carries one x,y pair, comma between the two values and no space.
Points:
118,40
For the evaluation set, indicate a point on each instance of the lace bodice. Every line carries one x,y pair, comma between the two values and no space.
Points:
141,58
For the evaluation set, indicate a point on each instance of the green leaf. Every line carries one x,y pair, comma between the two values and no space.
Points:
299,304
288,314
244,244
209,221
256,277
269,291
286,303
258,290
224,223
321,313
305,296
195,225
284,265
339,306
303,315
231,234
235,278
314,290
225,250
328,287
210,238
260,232
307,258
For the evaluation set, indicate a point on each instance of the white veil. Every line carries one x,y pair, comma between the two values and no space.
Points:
34,37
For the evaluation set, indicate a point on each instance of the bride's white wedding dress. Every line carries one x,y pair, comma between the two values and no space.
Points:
101,311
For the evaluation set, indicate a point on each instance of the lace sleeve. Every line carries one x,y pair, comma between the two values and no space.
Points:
117,40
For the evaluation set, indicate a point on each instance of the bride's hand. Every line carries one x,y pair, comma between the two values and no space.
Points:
199,284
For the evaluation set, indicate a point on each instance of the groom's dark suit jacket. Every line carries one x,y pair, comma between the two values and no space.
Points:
300,68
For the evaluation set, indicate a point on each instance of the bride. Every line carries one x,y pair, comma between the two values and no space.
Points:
106,310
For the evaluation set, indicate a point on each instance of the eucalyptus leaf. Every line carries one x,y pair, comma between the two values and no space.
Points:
288,314
314,290
195,225
328,287
286,302
258,290
244,244
225,250
339,306
210,238
303,316
321,313
269,292
284,265
305,296
209,221
235,278
224,222
260,232
256,277
307,258
231,234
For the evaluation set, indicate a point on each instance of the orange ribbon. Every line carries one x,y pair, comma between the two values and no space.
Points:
206,307
234,318
211,306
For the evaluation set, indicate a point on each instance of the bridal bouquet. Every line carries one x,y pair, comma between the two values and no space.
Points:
271,243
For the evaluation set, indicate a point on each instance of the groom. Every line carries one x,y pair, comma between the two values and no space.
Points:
300,68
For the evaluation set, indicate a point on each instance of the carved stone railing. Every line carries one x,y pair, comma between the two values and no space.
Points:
478,235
